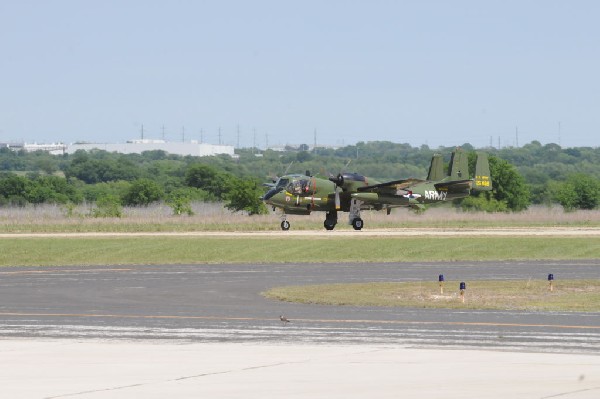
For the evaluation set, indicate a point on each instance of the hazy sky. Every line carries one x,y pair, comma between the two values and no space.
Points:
421,72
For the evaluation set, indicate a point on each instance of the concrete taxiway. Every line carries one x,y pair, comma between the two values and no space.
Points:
117,369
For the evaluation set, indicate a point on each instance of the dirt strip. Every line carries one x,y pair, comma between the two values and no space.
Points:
411,232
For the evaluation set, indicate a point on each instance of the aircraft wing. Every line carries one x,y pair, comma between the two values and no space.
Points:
394,185
391,194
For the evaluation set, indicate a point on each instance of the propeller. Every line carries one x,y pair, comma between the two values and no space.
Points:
338,181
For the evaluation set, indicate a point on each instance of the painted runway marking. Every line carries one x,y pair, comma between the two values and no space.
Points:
63,271
339,321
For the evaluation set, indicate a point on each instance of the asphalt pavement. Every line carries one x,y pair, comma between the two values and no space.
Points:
222,303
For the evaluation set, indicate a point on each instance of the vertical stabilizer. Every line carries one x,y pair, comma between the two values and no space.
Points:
483,178
436,169
459,165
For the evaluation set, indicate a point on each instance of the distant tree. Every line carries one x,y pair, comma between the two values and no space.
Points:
39,194
143,192
47,165
565,195
102,167
578,192
108,206
509,185
483,203
303,156
209,179
57,189
245,196
180,202
155,155
92,192
12,185
510,193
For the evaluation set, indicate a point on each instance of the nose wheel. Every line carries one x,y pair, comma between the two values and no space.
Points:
357,223
354,216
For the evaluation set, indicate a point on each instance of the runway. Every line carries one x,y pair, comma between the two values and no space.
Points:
222,303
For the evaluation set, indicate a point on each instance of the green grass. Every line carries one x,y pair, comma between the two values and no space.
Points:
213,217
568,295
286,249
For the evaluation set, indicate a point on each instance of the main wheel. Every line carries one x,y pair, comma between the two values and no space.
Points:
329,224
357,223
285,225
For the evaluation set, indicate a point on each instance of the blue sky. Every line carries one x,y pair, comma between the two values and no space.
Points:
418,72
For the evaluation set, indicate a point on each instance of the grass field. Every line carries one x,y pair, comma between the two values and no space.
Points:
214,217
531,295
286,249
334,247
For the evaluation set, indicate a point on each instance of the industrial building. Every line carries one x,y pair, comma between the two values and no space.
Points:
53,148
192,148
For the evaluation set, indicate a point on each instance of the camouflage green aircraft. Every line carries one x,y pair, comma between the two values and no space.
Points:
297,194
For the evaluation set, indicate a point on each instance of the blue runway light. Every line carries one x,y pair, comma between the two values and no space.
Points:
550,277
463,286
441,278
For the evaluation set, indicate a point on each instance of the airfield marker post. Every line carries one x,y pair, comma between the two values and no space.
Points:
463,287
441,281
550,280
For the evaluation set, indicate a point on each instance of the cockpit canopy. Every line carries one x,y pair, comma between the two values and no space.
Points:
282,182
300,186
294,184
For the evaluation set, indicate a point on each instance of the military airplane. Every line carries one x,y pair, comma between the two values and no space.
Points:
297,194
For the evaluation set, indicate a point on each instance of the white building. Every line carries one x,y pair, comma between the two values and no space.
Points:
192,148
52,148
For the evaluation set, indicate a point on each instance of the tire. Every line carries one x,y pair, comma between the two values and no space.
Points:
285,225
357,223
329,225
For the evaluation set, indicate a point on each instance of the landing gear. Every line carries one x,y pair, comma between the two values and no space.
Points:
330,220
357,223
285,225
354,216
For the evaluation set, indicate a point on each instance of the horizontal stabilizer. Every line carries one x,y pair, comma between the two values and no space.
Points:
456,185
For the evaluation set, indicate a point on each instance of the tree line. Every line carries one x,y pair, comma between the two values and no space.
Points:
112,180
531,174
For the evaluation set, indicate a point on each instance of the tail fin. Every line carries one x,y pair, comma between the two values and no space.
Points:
459,165
483,179
436,169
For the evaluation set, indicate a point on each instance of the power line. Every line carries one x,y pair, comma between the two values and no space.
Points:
559,131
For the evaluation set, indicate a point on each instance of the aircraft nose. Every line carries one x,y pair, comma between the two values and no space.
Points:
269,194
